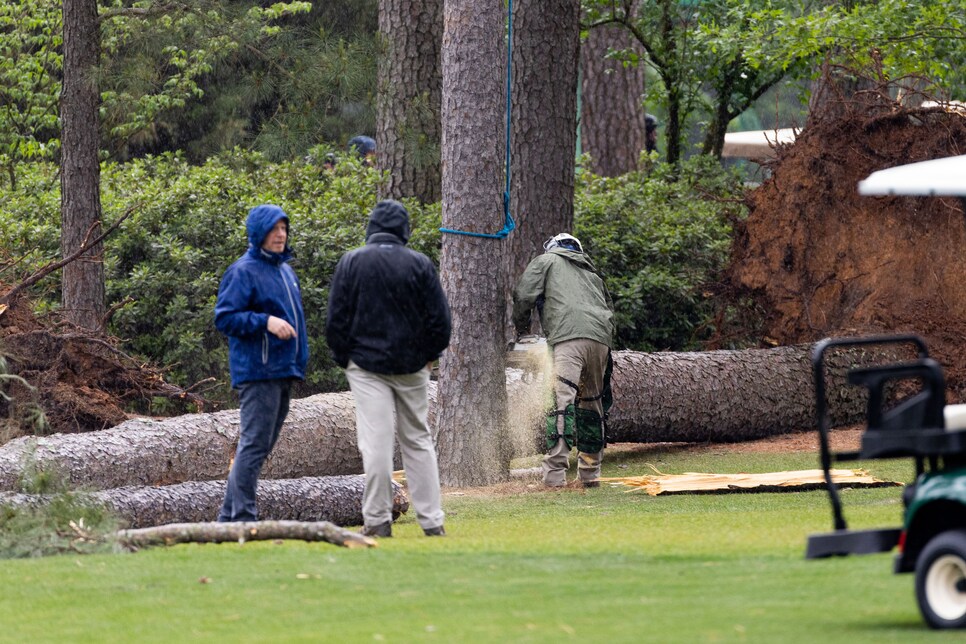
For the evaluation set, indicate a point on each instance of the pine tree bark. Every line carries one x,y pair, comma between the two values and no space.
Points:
546,40
336,499
472,413
83,280
408,105
318,439
612,128
715,396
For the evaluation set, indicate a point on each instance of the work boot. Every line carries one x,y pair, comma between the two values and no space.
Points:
381,530
438,531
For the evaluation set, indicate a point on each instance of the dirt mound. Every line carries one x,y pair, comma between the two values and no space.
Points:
821,260
80,380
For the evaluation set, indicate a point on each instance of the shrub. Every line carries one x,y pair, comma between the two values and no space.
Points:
661,242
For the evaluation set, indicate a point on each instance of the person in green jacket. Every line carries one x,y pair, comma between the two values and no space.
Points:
577,318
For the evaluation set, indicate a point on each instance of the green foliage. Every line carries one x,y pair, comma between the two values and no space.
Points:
30,61
921,43
60,522
202,76
661,240
158,62
207,77
713,59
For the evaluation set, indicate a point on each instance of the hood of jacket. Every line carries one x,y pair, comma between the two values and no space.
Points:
261,220
391,217
575,257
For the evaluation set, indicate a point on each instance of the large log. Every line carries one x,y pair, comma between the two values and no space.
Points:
715,396
318,439
334,499
727,396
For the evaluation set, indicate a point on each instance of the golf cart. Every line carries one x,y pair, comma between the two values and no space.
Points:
932,539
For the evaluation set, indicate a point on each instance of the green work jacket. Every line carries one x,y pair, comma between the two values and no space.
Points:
575,300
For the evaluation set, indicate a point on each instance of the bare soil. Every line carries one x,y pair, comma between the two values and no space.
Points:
80,379
822,260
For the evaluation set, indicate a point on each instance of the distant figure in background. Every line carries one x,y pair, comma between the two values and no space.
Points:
259,308
365,147
576,314
650,133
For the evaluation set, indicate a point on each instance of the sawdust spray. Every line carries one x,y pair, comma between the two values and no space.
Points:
529,397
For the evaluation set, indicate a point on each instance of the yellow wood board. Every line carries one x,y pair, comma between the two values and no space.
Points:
697,482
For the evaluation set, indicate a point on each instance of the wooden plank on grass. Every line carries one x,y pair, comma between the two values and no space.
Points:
698,482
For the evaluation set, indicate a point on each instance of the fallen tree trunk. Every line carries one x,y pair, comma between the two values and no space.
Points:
715,396
334,499
168,535
727,396
318,439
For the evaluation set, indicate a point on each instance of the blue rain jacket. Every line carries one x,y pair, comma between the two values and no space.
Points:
260,284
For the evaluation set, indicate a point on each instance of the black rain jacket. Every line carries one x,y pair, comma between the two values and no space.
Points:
387,310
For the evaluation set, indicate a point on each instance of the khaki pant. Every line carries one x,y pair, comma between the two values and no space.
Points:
388,406
582,362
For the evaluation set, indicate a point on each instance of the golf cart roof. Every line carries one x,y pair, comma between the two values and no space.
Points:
756,144
939,177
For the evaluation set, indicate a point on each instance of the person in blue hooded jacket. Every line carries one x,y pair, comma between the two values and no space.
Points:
259,308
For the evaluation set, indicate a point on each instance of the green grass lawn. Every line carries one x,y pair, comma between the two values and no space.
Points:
601,565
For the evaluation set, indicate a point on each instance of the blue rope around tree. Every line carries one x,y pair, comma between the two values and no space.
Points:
509,224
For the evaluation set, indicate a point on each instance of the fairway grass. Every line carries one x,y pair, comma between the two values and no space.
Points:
601,565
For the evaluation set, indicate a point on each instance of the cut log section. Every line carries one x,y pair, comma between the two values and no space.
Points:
169,535
697,482
334,499
715,396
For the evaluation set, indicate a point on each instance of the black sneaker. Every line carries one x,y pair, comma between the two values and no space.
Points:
381,530
588,484
438,531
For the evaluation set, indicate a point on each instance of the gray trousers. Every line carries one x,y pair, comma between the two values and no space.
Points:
582,362
387,406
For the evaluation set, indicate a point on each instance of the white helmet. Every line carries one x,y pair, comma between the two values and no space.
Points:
563,240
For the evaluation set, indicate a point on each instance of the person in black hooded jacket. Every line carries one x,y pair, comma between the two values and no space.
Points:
388,320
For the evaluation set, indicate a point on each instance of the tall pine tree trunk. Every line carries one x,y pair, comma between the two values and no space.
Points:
612,128
410,83
546,39
472,395
80,210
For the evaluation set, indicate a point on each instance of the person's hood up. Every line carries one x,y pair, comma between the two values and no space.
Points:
261,220
391,217
573,256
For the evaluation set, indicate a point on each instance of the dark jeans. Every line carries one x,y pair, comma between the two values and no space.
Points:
264,405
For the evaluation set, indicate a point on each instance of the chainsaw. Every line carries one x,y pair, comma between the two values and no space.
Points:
527,353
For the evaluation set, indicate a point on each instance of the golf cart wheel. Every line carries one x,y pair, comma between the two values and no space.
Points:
941,580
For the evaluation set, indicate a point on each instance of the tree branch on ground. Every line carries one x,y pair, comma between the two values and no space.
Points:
47,269
169,535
